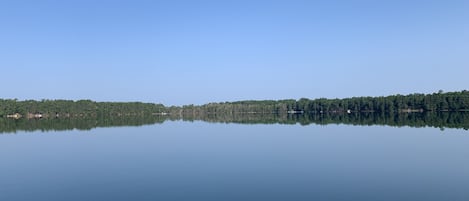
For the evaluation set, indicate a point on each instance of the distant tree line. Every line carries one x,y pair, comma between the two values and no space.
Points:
451,101
81,108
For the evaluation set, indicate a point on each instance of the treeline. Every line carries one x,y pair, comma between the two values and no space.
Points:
81,108
450,101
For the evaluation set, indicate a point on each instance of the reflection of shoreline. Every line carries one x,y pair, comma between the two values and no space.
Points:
459,120
425,119
8,125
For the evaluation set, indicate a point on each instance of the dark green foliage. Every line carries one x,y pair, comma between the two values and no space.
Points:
81,108
451,101
437,110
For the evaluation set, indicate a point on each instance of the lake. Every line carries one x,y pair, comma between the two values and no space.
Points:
215,160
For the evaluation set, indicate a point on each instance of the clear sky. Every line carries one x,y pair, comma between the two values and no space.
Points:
183,52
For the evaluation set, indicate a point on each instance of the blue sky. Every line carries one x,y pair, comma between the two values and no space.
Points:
183,52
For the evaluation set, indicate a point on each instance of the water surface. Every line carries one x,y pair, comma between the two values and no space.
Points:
179,160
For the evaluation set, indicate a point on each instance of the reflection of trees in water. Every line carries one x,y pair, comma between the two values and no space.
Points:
429,119
57,124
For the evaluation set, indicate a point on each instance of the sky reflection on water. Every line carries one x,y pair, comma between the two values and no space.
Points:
203,161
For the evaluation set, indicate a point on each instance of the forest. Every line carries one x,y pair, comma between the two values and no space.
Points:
81,108
440,102
435,102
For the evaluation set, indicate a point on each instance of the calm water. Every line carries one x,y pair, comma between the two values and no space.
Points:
179,160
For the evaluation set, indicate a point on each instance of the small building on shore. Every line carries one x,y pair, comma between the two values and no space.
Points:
15,116
35,115
295,111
